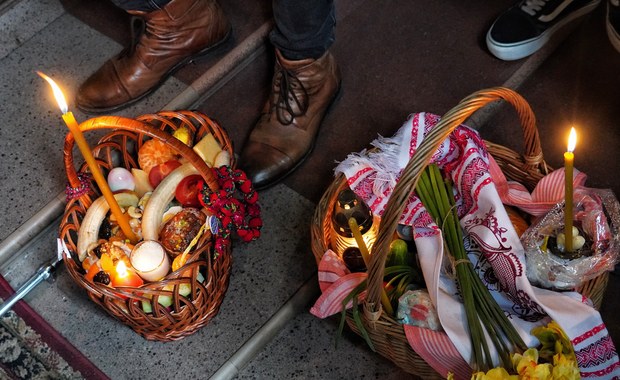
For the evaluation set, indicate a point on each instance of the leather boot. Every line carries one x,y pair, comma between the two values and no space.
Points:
174,36
301,93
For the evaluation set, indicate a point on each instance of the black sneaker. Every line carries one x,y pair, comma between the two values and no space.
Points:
613,23
529,24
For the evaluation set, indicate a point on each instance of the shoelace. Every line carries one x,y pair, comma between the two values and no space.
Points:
291,96
532,7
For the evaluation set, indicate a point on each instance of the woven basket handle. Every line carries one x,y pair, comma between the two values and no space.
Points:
411,173
117,122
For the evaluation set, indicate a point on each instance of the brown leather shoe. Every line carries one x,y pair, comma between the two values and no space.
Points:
174,36
301,93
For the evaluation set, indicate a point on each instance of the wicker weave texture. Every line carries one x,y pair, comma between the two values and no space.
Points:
119,148
528,168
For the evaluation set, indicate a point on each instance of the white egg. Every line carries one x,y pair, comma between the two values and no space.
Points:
121,179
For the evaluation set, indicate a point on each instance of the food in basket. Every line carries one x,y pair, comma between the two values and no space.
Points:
353,260
154,152
184,135
161,171
517,219
141,180
188,190
121,179
416,308
595,242
89,229
181,229
160,199
208,149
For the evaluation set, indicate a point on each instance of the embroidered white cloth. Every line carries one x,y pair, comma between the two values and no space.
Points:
491,242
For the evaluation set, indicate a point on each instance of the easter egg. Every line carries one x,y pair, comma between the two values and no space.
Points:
121,179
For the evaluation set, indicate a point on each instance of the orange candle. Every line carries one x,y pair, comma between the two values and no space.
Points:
74,128
125,276
569,158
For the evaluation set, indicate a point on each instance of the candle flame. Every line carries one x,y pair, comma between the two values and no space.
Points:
121,269
60,98
572,139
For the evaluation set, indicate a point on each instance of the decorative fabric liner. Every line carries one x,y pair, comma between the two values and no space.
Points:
32,349
491,241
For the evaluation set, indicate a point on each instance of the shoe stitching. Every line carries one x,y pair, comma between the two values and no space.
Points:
290,95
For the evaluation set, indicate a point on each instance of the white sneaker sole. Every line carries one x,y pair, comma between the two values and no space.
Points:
514,51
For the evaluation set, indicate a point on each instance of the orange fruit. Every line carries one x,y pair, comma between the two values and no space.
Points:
154,152
518,221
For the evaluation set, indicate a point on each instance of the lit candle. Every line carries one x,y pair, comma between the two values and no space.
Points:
125,277
74,128
568,191
150,260
355,230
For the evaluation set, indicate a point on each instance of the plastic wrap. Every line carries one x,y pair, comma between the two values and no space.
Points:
597,216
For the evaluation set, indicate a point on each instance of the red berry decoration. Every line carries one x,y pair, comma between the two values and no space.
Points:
235,205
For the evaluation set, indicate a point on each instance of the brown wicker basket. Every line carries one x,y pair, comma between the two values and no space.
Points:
119,148
386,334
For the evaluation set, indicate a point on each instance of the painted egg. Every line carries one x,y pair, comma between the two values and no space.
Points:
121,179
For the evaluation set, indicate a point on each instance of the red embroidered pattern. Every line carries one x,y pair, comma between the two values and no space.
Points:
588,334
596,353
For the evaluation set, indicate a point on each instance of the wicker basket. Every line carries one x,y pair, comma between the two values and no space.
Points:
119,148
387,335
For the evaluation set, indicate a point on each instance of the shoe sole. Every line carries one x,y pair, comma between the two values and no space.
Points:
279,179
218,46
614,38
514,51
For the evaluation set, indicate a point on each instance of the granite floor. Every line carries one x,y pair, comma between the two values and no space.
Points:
397,58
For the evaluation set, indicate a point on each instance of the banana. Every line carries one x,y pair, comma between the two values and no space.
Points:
89,228
161,197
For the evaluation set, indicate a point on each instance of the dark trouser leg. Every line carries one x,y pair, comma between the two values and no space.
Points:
304,28
140,5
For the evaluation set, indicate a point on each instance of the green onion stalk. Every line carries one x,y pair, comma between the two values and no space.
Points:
481,310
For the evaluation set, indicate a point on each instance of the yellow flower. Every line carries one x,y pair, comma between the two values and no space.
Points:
528,368
498,373
565,368
553,341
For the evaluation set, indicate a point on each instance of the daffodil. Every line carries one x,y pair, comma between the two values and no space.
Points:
565,368
497,373
558,361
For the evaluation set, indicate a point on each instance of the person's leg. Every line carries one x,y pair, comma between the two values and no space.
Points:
303,29
140,5
305,82
175,33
